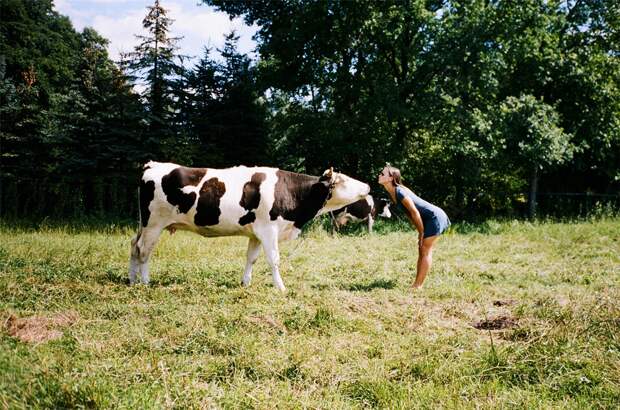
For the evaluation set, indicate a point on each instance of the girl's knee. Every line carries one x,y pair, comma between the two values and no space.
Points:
426,250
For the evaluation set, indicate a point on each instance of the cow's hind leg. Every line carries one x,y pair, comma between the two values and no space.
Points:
141,247
269,239
253,251
134,258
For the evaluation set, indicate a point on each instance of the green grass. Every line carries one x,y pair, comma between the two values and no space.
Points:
349,333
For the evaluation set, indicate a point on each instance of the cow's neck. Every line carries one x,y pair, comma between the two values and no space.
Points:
298,197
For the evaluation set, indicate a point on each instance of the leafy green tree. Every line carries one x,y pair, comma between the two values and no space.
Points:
420,84
533,138
350,82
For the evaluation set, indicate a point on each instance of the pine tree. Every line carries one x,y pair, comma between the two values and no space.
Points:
238,117
154,60
202,86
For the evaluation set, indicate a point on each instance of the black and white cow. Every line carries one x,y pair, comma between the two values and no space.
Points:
267,205
366,209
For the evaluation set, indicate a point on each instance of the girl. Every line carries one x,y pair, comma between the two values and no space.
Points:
430,220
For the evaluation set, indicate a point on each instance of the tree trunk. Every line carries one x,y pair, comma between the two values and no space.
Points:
533,192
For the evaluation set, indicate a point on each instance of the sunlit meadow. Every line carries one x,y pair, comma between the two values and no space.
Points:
512,315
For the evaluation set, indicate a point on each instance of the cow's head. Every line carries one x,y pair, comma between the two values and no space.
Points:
343,190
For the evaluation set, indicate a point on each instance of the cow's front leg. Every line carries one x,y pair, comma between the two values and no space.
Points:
253,251
269,239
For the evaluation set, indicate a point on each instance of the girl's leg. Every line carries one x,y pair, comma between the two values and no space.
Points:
425,259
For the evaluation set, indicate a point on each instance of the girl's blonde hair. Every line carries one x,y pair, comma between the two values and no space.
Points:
394,173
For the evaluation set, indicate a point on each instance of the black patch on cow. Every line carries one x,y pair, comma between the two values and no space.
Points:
208,209
251,197
176,180
380,205
147,193
247,218
298,197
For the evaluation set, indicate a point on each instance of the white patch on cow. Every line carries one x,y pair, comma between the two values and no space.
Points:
286,229
370,200
188,189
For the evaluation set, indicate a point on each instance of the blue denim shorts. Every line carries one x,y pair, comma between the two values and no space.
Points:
436,225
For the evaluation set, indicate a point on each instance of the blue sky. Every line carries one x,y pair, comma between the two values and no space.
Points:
120,20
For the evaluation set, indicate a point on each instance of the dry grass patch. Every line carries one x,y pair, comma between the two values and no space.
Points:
39,329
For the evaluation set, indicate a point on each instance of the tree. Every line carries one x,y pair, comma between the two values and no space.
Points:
419,83
40,51
155,62
228,116
202,89
239,116
533,138
350,68
63,132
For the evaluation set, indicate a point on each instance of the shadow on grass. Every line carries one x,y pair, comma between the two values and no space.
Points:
375,284
121,277
115,276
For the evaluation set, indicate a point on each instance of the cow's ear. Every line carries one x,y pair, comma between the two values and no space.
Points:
329,173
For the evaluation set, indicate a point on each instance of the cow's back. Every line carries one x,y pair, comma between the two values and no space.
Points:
212,202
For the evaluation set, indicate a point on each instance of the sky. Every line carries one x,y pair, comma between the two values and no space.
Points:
120,20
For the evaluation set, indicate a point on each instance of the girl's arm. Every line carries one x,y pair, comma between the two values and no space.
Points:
414,218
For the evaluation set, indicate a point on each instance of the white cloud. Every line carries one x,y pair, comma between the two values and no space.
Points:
202,26
78,17
119,21
120,31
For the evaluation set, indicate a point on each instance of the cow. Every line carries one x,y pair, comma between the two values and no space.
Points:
366,209
268,205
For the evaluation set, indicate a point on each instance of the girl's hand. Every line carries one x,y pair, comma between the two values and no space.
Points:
420,241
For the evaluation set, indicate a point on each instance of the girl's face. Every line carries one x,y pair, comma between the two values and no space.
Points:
384,177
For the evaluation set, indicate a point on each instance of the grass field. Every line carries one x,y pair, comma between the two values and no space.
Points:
512,315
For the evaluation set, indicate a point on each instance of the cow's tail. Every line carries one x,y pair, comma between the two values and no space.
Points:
141,197
139,211
140,202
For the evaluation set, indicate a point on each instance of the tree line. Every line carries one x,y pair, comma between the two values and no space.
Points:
481,103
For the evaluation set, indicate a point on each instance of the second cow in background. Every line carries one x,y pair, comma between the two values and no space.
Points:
366,209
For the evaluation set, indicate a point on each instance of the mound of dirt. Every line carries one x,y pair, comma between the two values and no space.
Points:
39,329
500,322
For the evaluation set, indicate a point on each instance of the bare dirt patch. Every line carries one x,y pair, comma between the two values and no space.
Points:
503,302
39,329
500,322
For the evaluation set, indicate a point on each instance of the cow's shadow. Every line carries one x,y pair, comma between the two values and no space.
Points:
375,284
120,277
